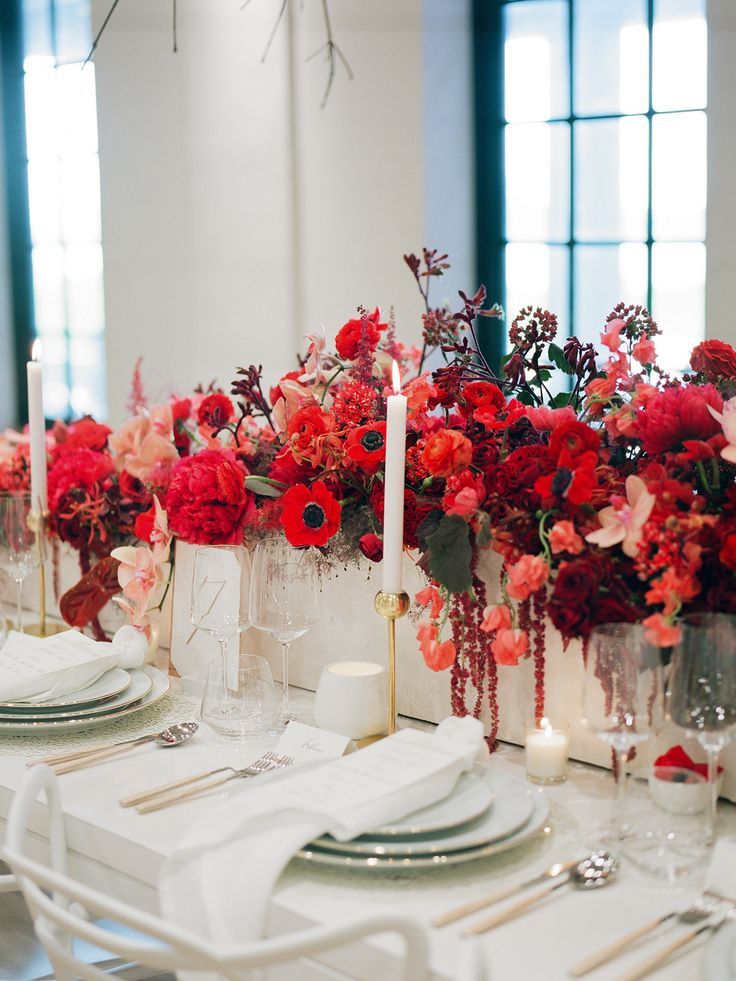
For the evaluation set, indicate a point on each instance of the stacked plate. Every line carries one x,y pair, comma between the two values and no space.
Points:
482,816
116,693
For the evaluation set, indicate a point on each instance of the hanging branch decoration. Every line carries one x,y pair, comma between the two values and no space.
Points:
332,51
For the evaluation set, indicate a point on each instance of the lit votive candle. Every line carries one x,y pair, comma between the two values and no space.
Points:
547,746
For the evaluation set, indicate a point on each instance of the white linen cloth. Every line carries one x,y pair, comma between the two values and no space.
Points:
33,669
219,879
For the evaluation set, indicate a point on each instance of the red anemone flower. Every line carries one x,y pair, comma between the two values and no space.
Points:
366,446
311,515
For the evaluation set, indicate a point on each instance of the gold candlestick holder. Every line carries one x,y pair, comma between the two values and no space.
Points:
391,606
37,522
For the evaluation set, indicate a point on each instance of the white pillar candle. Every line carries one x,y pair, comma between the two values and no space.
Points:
393,487
547,747
37,430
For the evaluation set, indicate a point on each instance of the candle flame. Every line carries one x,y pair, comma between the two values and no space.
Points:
548,730
36,350
396,378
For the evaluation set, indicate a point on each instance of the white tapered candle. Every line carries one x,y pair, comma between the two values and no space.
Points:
37,430
393,487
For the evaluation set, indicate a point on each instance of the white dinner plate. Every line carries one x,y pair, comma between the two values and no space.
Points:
109,684
470,798
159,688
408,863
139,685
720,955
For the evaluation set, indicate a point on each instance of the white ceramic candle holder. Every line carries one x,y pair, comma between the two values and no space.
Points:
351,699
547,745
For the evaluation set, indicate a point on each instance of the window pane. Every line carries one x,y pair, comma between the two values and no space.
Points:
604,276
538,181
73,29
43,199
48,288
536,60
611,45
679,175
678,300
80,184
55,390
611,165
77,109
37,28
680,55
84,289
537,275
88,376
41,107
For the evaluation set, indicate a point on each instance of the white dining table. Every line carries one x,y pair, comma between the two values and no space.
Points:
121,852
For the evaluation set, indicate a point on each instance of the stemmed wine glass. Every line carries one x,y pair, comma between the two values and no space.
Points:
623,700
219,597
283,598
702,689
21,550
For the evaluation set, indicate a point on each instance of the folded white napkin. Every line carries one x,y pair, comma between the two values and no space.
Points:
219,879
33,669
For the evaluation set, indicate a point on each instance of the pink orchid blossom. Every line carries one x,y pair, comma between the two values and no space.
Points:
727,419
313,371
144,445
622,523
294,396
139,576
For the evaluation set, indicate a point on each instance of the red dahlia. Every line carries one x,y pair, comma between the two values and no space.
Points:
310,515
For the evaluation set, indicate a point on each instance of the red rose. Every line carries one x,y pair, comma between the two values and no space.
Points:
477,393
353,335
677,414
714,359
144,525
216,410
447,452
305,426
575,438
366,446
310,515
207,502
372,547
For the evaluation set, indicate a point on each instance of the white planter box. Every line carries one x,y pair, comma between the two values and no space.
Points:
349,629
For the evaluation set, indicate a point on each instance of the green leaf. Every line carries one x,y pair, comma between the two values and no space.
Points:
526,398
265,486
450,553
557,357
428,527
561,400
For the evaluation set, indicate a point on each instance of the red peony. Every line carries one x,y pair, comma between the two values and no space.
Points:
356,332
216,410
714,359
447,452
677,414
86,434
366,446
207,502
310,515
77,470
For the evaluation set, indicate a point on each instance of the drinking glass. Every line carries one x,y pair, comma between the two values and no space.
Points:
702,690
623,701
283,598
247,689
21,550
219,597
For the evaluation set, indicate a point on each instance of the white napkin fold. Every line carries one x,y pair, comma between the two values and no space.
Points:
33,669
219,879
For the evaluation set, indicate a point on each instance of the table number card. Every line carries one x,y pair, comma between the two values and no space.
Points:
32,668
306,744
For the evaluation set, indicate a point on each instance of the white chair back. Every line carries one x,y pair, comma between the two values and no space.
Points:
62,910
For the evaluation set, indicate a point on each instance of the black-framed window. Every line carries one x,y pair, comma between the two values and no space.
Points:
56,241
592,140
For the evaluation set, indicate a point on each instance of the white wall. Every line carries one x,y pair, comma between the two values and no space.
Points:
7,354
721,216
237,213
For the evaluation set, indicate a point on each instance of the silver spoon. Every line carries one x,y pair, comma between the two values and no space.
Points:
594,871
172,736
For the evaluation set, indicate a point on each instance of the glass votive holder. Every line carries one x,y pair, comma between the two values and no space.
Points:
547,744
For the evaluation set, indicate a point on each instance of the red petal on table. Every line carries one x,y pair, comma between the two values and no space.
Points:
83,602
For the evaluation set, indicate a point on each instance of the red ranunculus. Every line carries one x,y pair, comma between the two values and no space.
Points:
310,515
477,393
306,425
288,470
207,501
677,414
447,452
216,410
356,332
80,470
366,446
714,359
86,434
575,438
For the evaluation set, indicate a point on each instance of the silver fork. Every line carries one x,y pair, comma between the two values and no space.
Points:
703,907
165,793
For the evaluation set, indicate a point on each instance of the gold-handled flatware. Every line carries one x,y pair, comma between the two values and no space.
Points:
268,761
489,899
595,871
657,959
